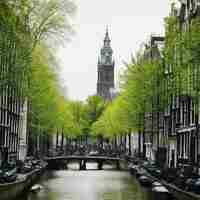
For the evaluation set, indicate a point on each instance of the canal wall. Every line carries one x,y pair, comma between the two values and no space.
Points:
178,193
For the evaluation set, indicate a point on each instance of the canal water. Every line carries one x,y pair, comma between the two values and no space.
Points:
89,185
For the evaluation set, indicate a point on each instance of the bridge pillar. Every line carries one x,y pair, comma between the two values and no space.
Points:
82,165
100,165
66,165
117,165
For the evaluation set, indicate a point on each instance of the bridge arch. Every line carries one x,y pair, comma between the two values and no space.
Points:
82,160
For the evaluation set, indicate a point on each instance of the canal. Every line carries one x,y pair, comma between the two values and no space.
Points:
89,185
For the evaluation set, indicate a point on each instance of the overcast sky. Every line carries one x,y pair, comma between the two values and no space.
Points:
130,23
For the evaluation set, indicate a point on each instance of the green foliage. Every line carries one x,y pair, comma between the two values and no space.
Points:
24,24
43,91
13,50
28,71
182,54
114,120
147,85
94,107
28,67
78,121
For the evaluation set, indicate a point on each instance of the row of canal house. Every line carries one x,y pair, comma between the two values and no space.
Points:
13,108
13,139
171,136
187,131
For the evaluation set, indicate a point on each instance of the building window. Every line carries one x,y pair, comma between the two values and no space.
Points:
192,113
181,113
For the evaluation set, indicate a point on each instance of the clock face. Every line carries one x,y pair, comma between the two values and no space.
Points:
107,54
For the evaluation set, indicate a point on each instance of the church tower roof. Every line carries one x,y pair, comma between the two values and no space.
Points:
106,51
107,38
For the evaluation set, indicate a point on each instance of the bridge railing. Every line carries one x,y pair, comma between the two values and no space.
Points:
84,150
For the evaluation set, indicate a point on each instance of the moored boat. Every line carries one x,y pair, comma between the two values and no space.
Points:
161,193
140,172
145,180
156,183
36,188
23,182
134,169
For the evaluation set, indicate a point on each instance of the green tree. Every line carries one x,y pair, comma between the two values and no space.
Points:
94,107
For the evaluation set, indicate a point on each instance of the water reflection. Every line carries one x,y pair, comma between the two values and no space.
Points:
89,185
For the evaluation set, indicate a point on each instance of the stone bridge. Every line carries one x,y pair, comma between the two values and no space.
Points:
82,160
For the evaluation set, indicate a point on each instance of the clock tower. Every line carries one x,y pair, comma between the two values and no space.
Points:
105,83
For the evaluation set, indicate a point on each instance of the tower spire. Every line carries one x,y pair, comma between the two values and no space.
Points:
107,30
107,38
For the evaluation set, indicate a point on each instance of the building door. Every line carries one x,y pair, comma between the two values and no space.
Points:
172,162
161,156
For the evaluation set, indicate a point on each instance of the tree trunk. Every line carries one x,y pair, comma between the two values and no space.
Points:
57,139
129,140
139,143
62,140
